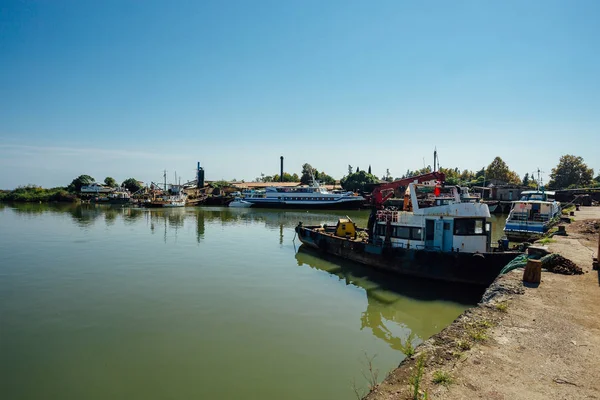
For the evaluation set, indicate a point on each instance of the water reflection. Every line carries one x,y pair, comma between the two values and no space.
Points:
86,215
106,295
396,306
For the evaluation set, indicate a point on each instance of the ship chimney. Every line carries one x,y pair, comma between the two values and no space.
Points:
281,174
200,177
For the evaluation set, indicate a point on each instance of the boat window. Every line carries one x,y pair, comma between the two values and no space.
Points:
468,226
478,227
401,232
416,234
380,230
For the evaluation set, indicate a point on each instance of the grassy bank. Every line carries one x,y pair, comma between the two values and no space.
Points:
30,193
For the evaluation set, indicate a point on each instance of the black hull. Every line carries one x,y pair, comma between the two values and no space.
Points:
113,202
217,201
327,206
471,268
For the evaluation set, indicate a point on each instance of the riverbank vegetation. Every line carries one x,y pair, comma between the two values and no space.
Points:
32,193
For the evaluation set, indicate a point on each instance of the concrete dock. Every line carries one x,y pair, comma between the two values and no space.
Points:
530,342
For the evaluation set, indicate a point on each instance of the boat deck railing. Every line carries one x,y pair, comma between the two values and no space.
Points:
525,217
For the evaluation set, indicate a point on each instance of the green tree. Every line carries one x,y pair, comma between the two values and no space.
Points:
571,171
498,170
77,183
387,176
287,177
132,185
349,169
357,181
110,182
307,174
452,175
526,179
369,171
357,170
467,176
422,171
325,179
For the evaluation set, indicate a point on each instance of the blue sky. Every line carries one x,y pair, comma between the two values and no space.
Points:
130,88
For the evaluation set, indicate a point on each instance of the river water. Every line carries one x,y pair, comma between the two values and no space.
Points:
203,303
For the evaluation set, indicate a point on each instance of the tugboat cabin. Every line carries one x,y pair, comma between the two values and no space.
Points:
434,218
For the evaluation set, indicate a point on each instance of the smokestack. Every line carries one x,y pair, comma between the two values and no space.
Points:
281,174
200,177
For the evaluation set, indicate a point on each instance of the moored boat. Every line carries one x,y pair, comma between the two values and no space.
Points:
167,201
240,202
306,197
532,216
119,196
435,236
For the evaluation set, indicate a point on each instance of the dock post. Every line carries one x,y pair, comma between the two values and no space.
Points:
533,271
596,262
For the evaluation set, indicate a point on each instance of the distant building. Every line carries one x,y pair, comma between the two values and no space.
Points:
502,192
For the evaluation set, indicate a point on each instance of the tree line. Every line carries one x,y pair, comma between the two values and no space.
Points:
31,193
570,172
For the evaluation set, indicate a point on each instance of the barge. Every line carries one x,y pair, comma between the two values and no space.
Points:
434,236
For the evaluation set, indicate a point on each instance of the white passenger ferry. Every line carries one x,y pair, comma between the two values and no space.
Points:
306,197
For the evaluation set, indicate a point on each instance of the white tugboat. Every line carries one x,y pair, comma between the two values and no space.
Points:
434,234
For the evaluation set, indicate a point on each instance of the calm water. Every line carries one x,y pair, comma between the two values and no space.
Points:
201,303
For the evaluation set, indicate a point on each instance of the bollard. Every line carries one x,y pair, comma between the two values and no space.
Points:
533,271
596,264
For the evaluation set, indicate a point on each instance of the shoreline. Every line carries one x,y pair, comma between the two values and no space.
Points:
520,341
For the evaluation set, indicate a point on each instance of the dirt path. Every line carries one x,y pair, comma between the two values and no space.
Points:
544,345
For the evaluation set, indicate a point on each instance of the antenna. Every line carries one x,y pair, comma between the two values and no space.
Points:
539,180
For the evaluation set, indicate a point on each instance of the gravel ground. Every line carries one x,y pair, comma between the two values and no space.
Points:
522,342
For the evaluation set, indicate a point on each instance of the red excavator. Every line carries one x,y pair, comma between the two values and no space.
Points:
383,192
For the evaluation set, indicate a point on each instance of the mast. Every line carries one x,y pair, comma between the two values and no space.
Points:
165,178
434,159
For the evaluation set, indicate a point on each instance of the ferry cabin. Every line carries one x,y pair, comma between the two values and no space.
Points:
437,220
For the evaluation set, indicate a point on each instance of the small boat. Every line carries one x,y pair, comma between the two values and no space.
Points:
167,201
434,236
532,216
240,202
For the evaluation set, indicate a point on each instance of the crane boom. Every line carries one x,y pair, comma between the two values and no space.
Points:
383,192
